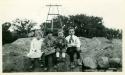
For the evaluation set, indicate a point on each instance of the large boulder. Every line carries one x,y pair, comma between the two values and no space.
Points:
90,62
94,50
103,62
14,62
117,48
115,62
23,43
7,48
105,52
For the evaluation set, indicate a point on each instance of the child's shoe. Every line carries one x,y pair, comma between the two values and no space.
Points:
45,68
72,65
41,65
31,68
55,66
79,62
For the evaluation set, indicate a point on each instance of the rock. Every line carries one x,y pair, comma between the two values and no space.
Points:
115,62
13,62
92,49
103,62
89,62
23,43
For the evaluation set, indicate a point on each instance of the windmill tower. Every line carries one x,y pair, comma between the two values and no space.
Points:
52,13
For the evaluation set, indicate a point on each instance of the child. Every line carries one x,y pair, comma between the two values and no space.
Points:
49,42
73,47
35,52
49,48
60,46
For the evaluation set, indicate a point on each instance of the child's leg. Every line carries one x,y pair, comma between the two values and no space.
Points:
42,61
77,52
70,53
63,54
32,63
78,57
46,62
57,54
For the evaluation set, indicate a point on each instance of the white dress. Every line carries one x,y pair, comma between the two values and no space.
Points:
35,48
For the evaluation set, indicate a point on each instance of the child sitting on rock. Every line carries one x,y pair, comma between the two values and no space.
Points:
49,48
60,46
73,47
49,42
36,52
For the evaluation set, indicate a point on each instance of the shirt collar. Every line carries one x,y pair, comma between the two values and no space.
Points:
72,35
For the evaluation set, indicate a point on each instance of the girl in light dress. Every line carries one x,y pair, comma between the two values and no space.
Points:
60,46
36,50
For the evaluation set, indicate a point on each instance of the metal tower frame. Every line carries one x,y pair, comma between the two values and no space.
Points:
52,14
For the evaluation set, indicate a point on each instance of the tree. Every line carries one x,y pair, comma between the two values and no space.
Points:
85,26
23,27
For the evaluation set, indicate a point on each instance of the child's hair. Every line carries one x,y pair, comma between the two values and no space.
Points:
72,28
60,30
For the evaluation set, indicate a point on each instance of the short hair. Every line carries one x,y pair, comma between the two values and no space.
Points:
72,28
60,30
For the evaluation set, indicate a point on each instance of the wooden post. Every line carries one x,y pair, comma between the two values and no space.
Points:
52,25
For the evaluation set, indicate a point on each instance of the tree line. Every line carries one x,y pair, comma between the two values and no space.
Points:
85,26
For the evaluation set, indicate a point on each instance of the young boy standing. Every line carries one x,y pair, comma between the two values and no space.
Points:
73,47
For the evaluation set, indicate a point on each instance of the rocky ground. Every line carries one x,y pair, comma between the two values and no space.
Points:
97,54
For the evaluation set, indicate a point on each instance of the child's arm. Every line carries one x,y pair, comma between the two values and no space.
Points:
32,45
44,46
78,43
55,44
67,41
65,45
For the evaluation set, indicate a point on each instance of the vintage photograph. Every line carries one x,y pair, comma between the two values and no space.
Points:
62,35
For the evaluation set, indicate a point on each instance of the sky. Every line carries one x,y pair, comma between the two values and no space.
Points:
112,11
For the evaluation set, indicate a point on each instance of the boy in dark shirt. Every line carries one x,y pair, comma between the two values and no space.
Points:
60,46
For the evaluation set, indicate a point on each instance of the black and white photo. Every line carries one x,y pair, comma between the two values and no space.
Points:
62,35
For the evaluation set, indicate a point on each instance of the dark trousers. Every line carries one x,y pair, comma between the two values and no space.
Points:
50,60
35,62
71,51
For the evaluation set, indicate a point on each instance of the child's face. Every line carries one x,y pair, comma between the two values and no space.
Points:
50,35
60,34
38,35
71,32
